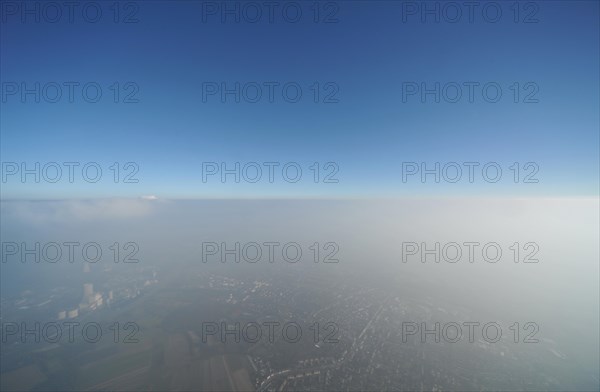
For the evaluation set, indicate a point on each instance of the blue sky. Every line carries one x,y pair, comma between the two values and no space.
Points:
368,54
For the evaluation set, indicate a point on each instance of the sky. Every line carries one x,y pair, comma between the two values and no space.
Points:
368,61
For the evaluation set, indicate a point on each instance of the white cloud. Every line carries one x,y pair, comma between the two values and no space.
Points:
41,212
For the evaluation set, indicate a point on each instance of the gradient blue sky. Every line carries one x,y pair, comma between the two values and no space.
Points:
369,53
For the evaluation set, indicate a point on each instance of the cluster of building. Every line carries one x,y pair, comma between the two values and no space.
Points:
91,301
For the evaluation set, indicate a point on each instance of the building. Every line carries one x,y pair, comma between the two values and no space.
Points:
88,290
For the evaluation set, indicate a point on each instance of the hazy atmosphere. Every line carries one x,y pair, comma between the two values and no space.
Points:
299,196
